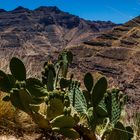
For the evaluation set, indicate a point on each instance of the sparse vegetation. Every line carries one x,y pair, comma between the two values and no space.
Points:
69,111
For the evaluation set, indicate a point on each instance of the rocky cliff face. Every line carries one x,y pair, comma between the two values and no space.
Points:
104,25
44,27
33,35
115,54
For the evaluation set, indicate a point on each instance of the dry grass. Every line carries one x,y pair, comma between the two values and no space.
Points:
131,117
25,137
6,109
136,125
15,125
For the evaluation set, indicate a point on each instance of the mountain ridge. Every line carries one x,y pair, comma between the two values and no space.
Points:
46,29
115,54
36,35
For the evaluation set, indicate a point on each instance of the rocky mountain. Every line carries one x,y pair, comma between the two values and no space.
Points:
35,35
45,27
104,25
115,54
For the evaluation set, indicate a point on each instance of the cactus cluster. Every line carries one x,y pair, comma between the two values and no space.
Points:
87,102
65,102
120,132
114,102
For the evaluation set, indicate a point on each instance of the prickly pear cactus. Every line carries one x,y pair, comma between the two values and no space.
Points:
98,91
64,125
17,69
55,105
113,105
21,99
49,75
64,101
130,132
65,58
6,82
63,121
94,95
120,132
41,120
77,98
36,88
88,82
64,83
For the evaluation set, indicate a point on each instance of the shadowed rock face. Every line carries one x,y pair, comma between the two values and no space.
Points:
115,54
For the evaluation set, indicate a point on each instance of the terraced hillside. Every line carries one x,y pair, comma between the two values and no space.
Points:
115,54
45,27
35,35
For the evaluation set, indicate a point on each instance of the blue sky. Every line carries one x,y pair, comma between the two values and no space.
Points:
118,11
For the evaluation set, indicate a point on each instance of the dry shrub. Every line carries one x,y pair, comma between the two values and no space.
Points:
6,109
9,115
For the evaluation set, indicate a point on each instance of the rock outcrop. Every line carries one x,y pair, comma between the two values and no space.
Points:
45,27
115,54
35,35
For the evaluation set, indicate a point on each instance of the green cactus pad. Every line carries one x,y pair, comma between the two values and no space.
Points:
65,58
18,69
36,88
88,81
64,69
41,120
64,83
55,108
63,121
87,96
48,76
70,133
118,133
80,101
90,117
5,84
21,99
50,80
101,112
113,106
99,91
130,132
12,80
69,56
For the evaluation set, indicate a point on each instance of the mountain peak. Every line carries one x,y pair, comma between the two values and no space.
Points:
48,9
134,22
2,10
20,9
59,28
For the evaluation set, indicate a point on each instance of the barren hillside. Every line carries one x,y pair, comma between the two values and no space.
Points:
115,54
